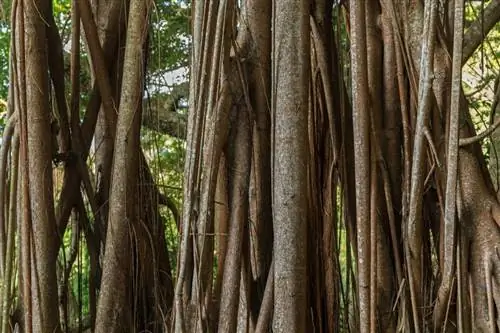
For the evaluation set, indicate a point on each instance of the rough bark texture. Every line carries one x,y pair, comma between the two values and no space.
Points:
112,315
320,194
44,251
290,206
238,162
361,128
258,15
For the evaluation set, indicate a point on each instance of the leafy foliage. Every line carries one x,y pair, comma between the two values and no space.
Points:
169,36
479,76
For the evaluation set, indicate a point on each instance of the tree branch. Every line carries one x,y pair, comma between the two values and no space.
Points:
480,28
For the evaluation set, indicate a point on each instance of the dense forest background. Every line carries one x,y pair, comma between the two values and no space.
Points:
249,166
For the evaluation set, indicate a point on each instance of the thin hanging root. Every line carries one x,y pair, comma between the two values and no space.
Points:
471,293
4,154
429,174
460,295
10,270
398,296
428,136
373,239
489,294
448,306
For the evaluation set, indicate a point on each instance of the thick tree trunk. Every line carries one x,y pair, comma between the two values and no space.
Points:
291,74
38,116
113,314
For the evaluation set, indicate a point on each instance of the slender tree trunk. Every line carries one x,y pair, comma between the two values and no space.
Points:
258,15
361,127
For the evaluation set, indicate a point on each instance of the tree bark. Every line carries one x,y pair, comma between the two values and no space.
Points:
291,65
44,231
112,313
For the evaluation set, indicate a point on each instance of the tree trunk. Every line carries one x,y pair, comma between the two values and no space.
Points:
333,178
112,314
290,209
42,223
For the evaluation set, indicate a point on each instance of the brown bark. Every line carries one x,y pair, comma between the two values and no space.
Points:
258,15
208,125
279,168
112,313
450,228
82,137
44,246
238,161
361,128
221,216
291,73
415,230
9,270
